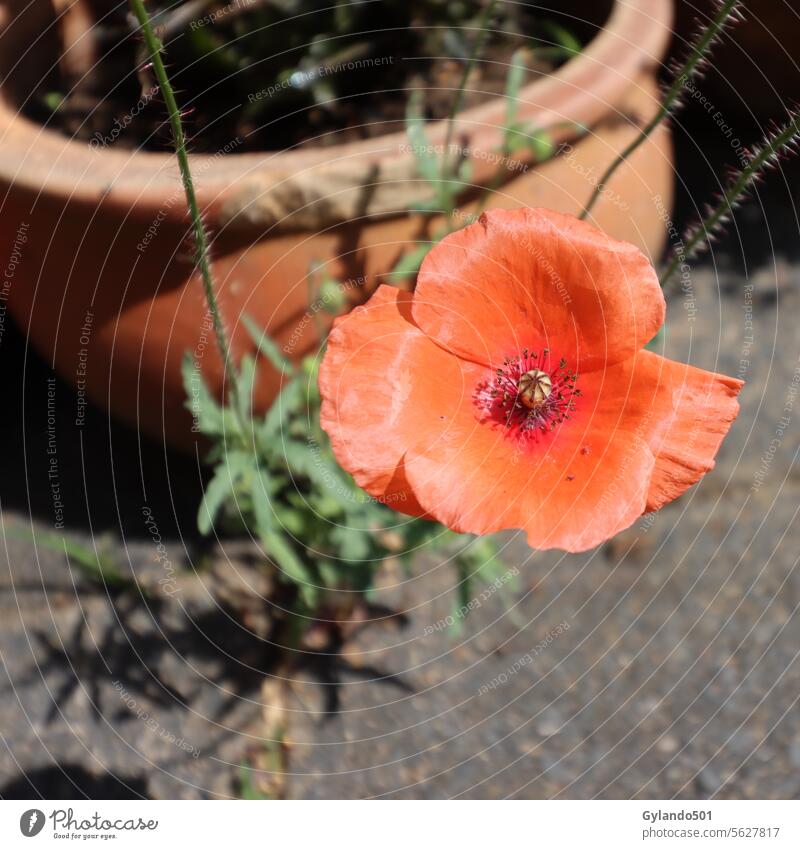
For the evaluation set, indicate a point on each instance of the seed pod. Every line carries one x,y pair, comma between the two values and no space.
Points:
535,387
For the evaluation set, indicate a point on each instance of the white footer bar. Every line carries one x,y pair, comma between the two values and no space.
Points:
390,824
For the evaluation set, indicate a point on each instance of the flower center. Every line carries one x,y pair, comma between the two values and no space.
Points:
530,395
534,388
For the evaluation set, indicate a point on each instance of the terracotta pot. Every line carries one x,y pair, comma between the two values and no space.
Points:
104,284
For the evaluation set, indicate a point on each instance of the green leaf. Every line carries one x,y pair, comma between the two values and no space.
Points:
292,567
563,38
206,411
522,137
332,297
219,488
327,506
235,466
463,596
291,519
465,173
245,386
95,565
514,80
267,347
287,404
247,789
352,544
312,461
427,160
541,143
409,263
262,488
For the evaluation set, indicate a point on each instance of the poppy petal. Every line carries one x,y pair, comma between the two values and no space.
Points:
643,432
570,488
535,277
382,381
696,410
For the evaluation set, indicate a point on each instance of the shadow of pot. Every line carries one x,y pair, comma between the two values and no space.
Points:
103,282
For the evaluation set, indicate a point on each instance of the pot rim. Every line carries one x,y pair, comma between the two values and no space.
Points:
581,92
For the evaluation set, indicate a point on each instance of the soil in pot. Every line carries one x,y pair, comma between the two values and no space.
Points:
282,73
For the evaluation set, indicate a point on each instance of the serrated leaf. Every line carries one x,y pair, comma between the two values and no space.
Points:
327,506
352,544
330,573
218,489
291,520
283,407
261,489
267,347
206,411
227,474
290,564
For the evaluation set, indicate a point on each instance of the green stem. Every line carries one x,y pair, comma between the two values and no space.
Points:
154,48
685,74
455,107
771,147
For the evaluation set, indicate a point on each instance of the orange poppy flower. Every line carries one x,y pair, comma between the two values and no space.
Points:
511,390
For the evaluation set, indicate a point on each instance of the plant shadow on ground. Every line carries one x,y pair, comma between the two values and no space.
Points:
70,781
129,654
106,470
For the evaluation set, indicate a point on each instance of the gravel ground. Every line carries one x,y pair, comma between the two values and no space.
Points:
664,664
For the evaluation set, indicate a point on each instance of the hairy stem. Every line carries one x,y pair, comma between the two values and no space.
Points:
762,157
154,48
685,74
